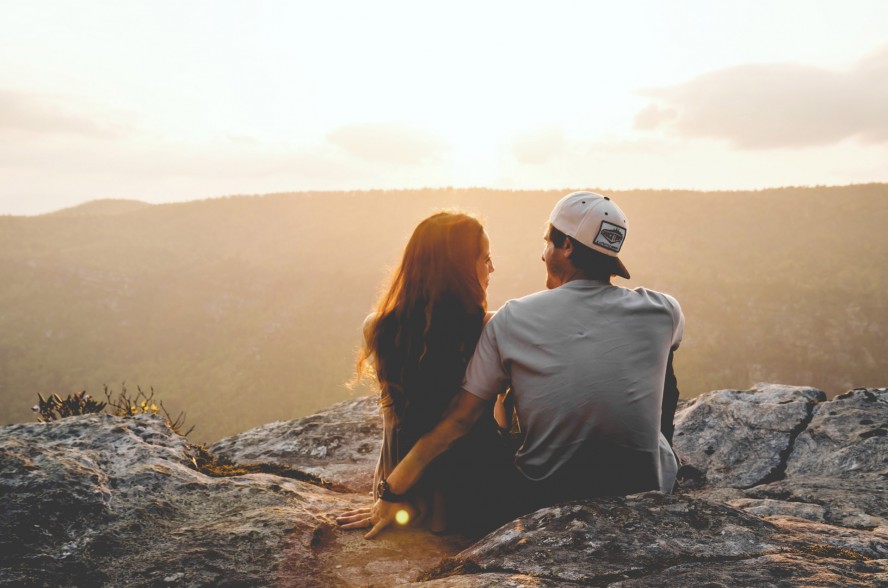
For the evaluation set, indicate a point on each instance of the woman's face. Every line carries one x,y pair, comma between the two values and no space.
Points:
484,265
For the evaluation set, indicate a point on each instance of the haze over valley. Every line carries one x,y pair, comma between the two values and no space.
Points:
247,309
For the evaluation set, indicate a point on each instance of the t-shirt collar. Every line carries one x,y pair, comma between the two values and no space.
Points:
586,284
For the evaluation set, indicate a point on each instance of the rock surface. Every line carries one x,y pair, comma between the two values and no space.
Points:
834,470
99,500
340,444
655,540
846,439
802,501
741,438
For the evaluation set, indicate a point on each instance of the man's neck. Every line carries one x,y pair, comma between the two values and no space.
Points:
581,275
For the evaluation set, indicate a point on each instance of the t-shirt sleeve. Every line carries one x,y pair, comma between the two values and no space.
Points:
678,322
486,376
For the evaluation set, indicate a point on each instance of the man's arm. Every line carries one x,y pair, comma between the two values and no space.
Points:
670,402
462,413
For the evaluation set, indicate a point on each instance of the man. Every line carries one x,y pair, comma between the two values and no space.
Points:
586,362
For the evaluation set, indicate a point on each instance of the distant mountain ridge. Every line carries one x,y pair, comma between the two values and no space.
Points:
247,309
107,206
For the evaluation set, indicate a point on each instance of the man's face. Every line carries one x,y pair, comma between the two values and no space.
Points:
556,264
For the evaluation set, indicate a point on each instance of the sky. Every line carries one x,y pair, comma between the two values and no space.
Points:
166,101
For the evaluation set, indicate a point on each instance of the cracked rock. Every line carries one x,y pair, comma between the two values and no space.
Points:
773,571
99,500
107,501
339,444
104,501
741,438
847,439
489,580
603,539
655,540
857,544
842,503
838,468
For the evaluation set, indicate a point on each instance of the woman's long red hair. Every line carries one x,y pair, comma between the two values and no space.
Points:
428,321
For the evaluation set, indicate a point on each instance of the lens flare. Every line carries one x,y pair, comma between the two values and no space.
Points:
402,517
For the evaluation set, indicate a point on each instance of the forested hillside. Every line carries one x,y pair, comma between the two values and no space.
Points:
244,310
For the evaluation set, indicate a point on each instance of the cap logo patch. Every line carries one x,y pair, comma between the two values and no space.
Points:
610,236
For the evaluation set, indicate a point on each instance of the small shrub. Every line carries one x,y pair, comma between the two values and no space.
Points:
54,408
125,405
122,405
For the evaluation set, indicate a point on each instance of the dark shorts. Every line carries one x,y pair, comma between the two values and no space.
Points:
472,475
484,496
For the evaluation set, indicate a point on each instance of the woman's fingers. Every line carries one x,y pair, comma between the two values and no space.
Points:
353,518
377,528
355,512
359,524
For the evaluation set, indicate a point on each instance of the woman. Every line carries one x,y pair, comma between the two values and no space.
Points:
418,343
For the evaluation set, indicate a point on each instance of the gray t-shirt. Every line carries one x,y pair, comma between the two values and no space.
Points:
586,363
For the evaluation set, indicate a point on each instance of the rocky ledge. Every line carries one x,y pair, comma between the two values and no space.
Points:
779,487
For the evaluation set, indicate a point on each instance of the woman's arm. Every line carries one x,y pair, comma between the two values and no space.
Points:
465,409
368,327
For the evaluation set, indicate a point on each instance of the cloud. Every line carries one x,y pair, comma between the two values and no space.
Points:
38,116
653,116
388,143
538,146
43,175
776,105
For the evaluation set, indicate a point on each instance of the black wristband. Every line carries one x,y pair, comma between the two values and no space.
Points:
385,493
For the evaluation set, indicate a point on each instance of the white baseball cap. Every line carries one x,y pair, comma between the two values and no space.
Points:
594,221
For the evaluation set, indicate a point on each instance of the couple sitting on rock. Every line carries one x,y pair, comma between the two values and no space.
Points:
563,394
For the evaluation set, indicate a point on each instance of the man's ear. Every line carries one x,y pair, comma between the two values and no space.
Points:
568,247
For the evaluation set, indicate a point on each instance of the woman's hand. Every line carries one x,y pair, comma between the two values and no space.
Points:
380,516
354,519
383,513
